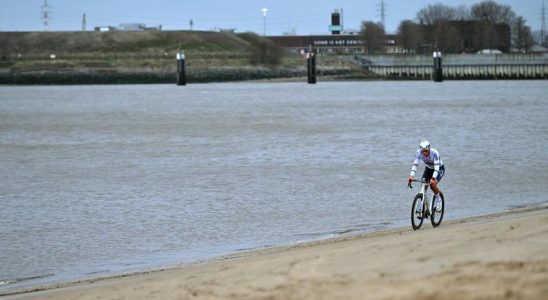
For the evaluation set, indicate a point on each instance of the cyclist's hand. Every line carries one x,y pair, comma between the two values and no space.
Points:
409,180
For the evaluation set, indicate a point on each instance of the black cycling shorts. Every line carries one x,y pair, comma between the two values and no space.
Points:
429,172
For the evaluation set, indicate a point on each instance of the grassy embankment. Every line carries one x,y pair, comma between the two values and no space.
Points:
142,57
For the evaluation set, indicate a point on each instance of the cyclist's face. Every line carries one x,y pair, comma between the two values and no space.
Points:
425,152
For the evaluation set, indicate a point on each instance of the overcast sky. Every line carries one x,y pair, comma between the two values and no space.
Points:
304,16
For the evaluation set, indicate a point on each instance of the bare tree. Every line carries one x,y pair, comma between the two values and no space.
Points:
409,36
523,37
462,13
434,13
493,12
440,31
373,35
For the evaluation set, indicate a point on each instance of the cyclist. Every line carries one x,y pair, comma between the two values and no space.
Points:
434,169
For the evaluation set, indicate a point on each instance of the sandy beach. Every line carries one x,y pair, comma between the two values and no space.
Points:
499,256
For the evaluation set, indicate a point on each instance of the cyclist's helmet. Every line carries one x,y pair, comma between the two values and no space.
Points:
424,145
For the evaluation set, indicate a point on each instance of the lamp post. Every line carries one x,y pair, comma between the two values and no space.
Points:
264,10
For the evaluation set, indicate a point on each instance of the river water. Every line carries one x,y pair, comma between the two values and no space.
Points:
96,180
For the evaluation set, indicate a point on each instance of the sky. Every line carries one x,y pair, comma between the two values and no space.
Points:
302,17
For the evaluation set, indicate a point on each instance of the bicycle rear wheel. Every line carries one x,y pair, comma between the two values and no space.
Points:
417,212
437,212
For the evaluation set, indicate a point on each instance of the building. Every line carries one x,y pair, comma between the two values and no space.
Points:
325,44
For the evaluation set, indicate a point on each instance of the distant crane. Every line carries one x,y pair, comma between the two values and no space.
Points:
45,13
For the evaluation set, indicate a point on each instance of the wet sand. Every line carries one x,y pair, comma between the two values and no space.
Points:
499,256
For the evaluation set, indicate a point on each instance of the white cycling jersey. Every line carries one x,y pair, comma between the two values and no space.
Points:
433,161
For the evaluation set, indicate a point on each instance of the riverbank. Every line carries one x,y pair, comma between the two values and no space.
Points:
141,57
144,76
497,256
128,57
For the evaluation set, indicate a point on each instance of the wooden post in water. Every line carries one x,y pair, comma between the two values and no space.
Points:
437,75
311,63
181,72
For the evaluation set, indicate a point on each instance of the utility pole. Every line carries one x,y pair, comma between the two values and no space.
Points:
45,14
543,40
191,23
84,22
342,18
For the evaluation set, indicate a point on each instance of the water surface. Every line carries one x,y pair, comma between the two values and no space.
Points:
103,179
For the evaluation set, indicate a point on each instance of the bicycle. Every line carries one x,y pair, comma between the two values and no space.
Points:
423,208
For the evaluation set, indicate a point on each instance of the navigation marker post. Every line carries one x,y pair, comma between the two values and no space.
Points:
311,65
181,72
437,74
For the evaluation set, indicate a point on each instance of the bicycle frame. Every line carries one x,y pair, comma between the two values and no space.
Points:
424,189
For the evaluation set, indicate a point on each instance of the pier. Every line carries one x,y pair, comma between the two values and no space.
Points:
458,66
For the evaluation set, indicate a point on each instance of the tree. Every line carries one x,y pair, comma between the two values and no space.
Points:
409,36
373,35
523,37
435,13
493,12
439,32
462,13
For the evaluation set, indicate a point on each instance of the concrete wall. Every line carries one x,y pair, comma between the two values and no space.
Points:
455,66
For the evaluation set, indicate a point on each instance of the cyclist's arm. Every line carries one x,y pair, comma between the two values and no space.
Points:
415,165
437,163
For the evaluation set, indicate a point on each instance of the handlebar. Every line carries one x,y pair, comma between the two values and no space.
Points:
415,180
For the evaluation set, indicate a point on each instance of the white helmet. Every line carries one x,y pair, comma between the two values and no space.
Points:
424,145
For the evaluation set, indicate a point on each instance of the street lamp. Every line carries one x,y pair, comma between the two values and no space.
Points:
264,10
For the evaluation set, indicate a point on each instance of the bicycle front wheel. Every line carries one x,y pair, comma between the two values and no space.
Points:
417,212
437,211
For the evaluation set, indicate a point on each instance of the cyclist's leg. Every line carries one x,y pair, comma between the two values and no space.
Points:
435,187
438,203
441,173
427,174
